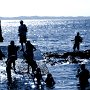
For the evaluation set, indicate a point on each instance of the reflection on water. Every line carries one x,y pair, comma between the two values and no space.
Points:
48,35
65,76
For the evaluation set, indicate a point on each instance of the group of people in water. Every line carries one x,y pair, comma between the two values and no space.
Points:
83,74
29,57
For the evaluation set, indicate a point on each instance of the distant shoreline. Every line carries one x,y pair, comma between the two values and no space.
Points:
43,17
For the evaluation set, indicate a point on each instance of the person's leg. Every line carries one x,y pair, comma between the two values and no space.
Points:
74,47
23,41
14,65
28,68
78,47
22,46
8,70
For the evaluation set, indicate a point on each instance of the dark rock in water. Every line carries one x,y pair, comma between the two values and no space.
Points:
80,54
71,57
50,55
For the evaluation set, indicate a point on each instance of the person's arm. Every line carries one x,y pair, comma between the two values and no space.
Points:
78,72
42,78
34,48
88,74
19,31
81,39
25,27
53,82
17,48
46,80
8,50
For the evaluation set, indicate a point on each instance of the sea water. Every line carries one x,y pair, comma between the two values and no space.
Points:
49,34
53,35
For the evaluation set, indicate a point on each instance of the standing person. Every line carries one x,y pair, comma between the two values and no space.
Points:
29,54
77,41
22,34
83,75
49,81
9,62
12,50
1,38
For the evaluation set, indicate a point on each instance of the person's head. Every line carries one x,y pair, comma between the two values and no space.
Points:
49,75
38,70
12,42
28,42
21,22
82,66
78,33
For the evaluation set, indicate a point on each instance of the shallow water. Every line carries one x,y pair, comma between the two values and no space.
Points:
65,76
49,35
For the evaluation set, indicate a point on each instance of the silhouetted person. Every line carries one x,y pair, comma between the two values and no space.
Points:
29,54
34,66
49,81
83,75
1,38
38,76
9,62
1,55
22,33
12,50
77,41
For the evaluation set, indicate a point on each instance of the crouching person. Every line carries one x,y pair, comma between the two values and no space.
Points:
9,62
49,81
38,76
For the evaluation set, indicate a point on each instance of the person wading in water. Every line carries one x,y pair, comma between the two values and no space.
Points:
77,41
22,34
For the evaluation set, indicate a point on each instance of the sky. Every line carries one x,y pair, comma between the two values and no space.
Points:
14,8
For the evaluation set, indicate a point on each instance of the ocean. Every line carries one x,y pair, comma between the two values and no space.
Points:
53,35
49,34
